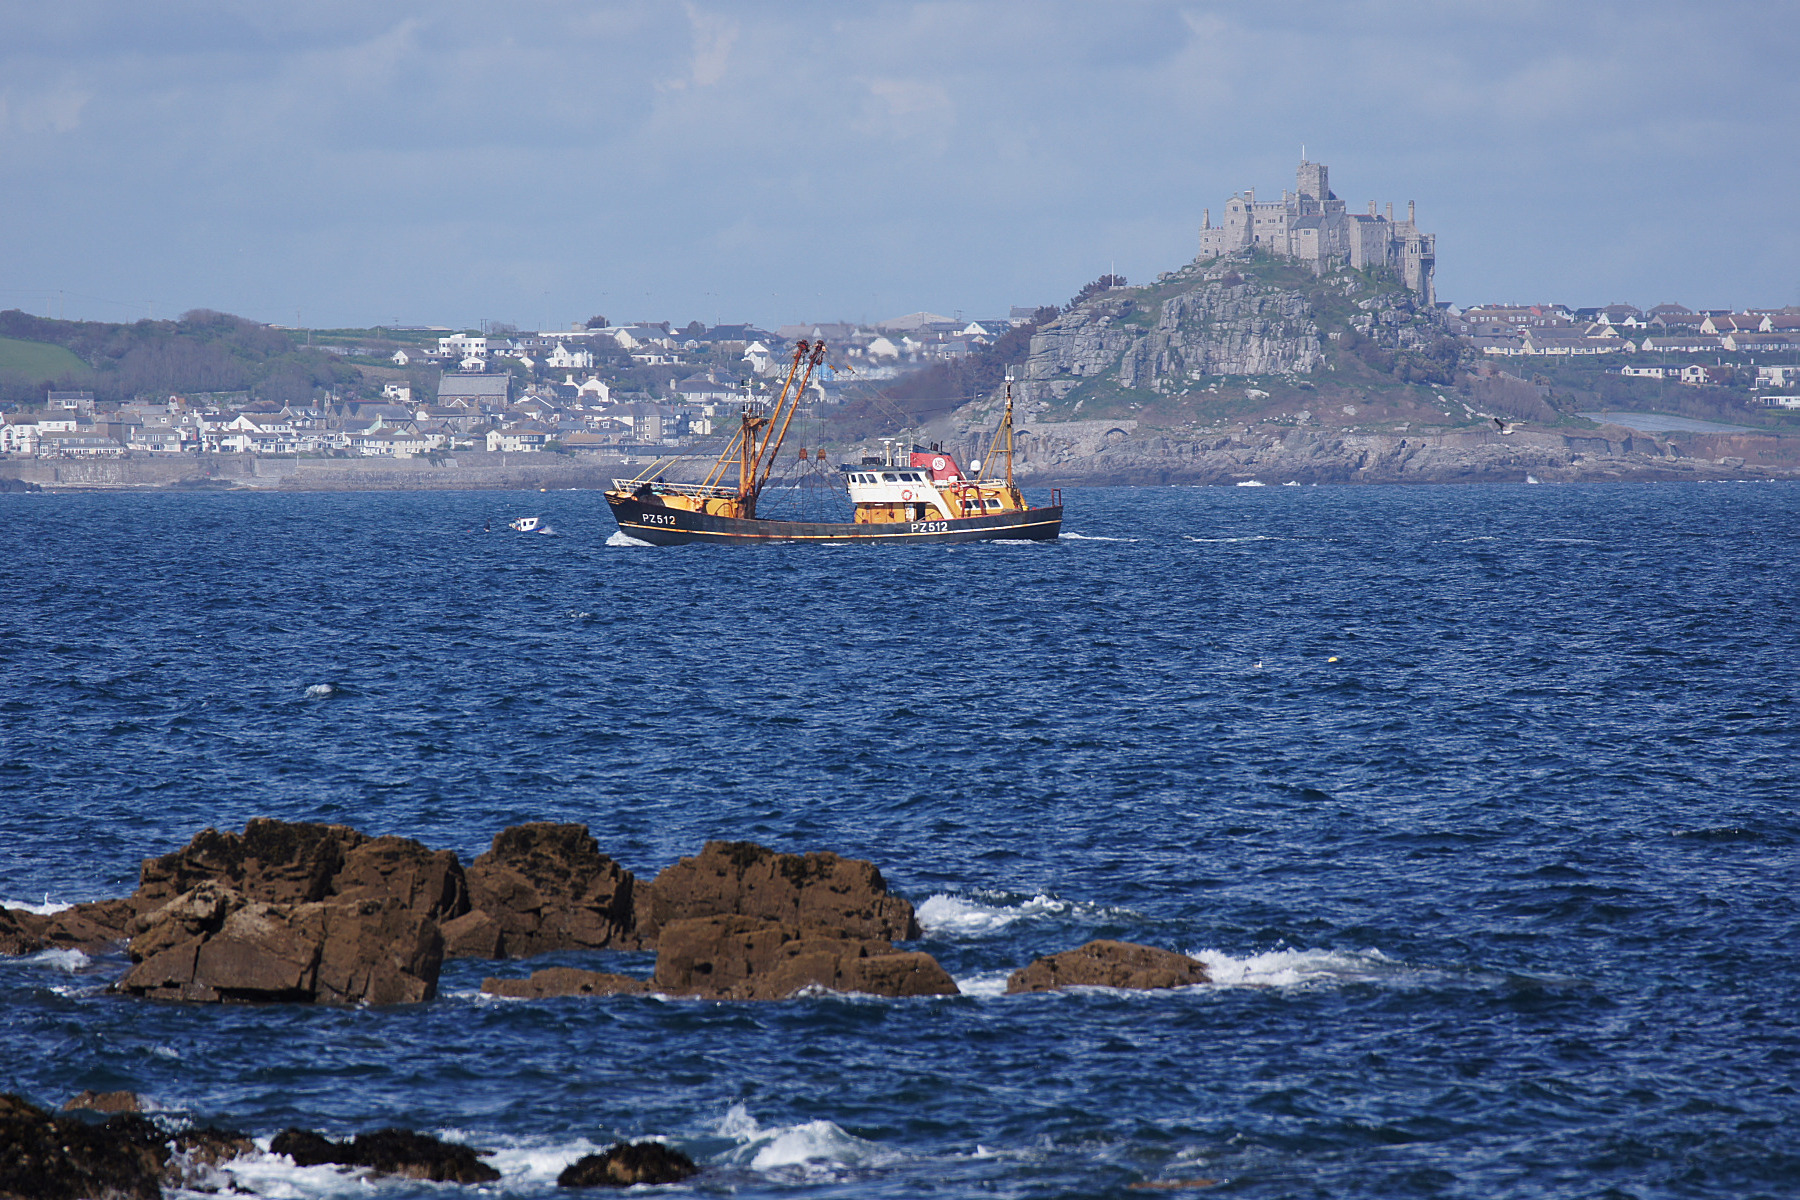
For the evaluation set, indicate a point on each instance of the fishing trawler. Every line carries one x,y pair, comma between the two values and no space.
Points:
925,498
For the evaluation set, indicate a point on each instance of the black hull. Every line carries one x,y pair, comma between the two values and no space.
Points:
673,526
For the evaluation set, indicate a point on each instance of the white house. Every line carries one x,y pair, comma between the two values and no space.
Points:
518,438
592,390
563,358
401,358
19,435
462,346
400,393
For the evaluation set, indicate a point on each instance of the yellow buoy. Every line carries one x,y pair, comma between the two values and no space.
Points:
1333,658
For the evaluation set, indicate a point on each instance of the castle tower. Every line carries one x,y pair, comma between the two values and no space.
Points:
1312,181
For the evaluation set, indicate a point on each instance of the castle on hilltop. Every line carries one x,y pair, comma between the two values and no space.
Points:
1310,224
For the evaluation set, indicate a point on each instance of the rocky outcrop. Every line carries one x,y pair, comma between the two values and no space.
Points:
324,914
1158,339
389,1152
281,862
49,1157
1108,964
750,958
743,879
274,861
627,1165
544,887
564,981
213,944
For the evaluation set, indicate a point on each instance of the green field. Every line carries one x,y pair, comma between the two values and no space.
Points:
38,360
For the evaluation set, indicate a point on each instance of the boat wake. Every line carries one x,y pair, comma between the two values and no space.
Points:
621,538
1094,537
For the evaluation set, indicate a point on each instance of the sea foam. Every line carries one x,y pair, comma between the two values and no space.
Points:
1300,968
809,1148
945,915
45,909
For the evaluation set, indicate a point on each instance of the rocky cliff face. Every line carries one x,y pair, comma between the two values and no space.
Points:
1138,343
1246,316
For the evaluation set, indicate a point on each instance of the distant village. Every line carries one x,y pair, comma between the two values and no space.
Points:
576,391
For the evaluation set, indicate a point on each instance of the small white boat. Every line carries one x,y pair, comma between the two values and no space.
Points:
524,524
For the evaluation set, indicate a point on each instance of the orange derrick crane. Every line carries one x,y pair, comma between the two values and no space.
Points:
758,439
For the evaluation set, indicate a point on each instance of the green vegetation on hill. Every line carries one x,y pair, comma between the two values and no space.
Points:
203,351
39,360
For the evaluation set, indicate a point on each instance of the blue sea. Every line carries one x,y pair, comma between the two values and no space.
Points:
1478,802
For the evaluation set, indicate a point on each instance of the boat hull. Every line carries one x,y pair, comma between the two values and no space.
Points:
673,526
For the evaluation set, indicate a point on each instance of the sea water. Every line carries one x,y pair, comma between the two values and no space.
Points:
1479,804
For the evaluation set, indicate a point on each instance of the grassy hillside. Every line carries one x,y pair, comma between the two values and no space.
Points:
39,360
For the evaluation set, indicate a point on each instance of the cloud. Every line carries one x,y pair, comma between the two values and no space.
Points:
57,110
454,161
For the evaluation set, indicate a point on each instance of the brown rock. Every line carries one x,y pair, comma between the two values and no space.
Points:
428,881
106,1102
564,981
210,944
378,952
744,879
749,958
1108,964
475,934
274,861
627,1165
548,887
92,928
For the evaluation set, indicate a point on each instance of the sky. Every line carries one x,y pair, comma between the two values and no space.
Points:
333,163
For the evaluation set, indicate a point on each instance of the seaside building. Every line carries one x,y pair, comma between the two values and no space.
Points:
1312,225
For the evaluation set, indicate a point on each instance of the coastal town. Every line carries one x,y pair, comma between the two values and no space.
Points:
589,388
623,391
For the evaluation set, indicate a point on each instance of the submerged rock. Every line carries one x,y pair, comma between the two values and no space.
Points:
750,958
389,1152
744,879
564,981
48,1157
105,1102
91,928
628,1164
544,887
1108,964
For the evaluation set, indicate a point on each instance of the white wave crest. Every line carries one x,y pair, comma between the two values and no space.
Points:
947,915
621,538
1299,968
319,691
1259,537
45,909
72,961
985,986
1251,483
807,1148
1093,537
